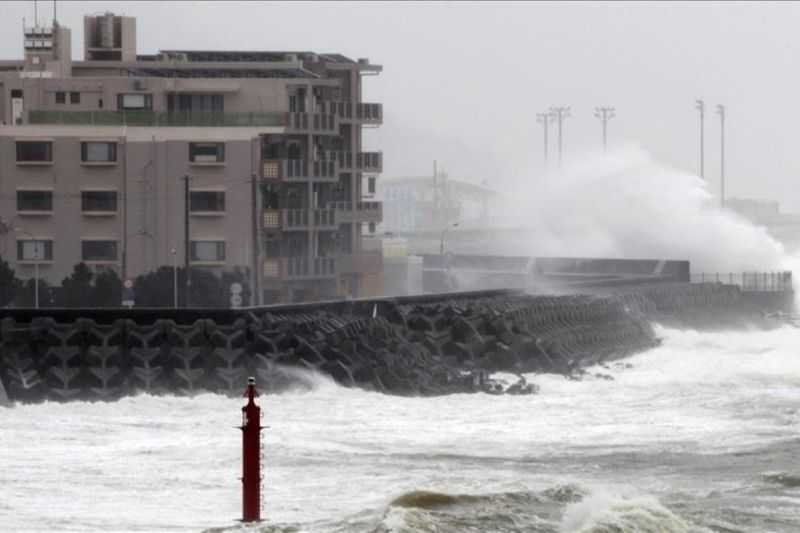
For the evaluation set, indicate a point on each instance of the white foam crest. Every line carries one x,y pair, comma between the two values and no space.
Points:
626,205
603,512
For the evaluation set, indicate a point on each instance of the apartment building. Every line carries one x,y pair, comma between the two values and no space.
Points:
100,158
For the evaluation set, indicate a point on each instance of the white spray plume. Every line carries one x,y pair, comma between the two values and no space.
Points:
625,205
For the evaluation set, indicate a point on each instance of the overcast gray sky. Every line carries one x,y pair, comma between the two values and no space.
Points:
462,82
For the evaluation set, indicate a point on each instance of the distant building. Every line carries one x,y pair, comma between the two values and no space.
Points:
424,204
93,154
784,227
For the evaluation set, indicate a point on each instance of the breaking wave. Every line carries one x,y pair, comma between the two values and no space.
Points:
585,512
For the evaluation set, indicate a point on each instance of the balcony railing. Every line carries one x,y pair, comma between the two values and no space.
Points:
370,161
298,169
312,122
156,118
299,268
349,161
299,219
363,212
367,113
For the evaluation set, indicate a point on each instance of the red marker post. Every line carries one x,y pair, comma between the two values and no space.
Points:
251,456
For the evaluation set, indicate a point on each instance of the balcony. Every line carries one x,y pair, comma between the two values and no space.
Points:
370,161
363,212
356,161
299,219
300,170
299,268
364,113
157,118
312,123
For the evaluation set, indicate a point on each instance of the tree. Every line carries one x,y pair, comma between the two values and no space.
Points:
26,294
76,289
156,289
9,283
107,290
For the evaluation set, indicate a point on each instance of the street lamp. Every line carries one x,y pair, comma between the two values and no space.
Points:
36,247
441,241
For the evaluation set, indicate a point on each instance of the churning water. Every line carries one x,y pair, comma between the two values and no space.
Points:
700,434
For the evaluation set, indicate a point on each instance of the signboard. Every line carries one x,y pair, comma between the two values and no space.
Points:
236,295
128,296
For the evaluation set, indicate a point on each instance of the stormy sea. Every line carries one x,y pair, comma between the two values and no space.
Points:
699,434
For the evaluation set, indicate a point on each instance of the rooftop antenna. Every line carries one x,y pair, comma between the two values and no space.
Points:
55,18
35,14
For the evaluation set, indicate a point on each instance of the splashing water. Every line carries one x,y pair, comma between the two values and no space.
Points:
626,205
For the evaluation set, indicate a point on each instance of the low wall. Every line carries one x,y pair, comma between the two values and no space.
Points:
434,344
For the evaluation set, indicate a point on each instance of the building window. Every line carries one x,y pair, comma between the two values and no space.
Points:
34,250
195,103
208,251
61,97
207,201
207,152
98,152
135,101
371,185
34,152
99,201
372,227
74,98
34,200
99,250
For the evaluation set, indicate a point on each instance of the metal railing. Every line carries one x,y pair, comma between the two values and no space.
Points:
749,281
318,122
365,112
157,118
299,267
297,169
370,161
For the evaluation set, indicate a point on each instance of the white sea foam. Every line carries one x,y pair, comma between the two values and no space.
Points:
624,204
170,463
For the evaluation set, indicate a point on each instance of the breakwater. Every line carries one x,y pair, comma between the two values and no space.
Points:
426,345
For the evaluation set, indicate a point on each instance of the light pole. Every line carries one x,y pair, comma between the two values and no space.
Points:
441,241
559,114
174,252
721,112
701,106
604,114
544,119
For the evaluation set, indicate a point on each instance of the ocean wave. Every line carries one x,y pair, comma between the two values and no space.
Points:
787,480
604,513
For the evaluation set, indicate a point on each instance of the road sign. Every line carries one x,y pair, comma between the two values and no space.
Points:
236,288
236,300
128,284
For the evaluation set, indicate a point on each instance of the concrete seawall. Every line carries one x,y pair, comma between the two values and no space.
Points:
426,345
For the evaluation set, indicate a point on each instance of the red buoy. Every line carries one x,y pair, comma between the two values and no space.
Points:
251,456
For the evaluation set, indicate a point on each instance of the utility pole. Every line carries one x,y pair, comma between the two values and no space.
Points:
255,281
186,241
604,114
721,112
700,106
544,119
560,113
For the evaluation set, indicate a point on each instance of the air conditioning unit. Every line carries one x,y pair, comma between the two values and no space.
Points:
138,85
291,58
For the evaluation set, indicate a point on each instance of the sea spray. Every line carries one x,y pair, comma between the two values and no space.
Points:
626,205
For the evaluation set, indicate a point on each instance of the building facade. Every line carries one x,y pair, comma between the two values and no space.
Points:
224,159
